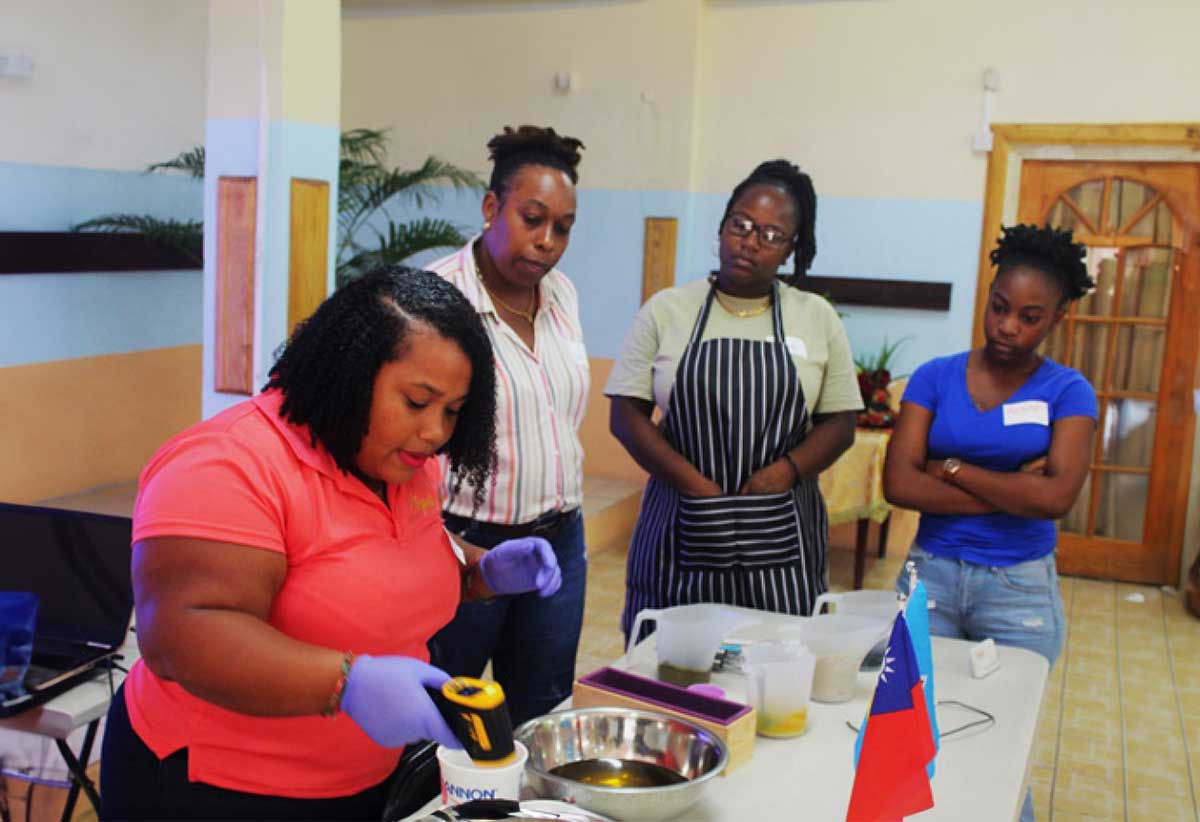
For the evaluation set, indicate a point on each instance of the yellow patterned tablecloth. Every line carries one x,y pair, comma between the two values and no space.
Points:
853,486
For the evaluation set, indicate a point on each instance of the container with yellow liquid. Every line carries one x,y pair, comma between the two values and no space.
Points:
782,725
779,678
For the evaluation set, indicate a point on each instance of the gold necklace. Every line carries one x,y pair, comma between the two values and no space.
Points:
743,313
527,316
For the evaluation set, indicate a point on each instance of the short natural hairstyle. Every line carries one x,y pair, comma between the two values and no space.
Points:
327,370
1052,251
795,183
513,149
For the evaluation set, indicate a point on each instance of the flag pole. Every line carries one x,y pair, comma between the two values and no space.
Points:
911,567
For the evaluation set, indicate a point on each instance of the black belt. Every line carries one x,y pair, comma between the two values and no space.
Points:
546,526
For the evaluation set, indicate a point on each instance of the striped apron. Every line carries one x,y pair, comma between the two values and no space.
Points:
736,406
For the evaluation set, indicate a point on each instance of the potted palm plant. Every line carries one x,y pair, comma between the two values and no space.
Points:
367,187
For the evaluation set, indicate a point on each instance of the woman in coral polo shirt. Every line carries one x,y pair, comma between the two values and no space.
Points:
290,565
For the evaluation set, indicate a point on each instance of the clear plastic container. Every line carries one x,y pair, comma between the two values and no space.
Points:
687,638
839,642
779,678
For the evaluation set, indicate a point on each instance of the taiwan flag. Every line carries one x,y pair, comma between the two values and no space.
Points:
891,781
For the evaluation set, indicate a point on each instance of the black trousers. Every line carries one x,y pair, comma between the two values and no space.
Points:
136,784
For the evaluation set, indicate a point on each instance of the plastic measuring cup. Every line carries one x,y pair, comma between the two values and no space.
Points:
18,621
881,604
839,642
884,604
687,638
779,678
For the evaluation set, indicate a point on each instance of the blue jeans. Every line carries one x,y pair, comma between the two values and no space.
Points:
1018,605
531,641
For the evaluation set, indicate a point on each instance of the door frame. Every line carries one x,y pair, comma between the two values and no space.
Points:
1013,143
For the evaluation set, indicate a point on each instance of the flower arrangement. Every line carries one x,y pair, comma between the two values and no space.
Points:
874,375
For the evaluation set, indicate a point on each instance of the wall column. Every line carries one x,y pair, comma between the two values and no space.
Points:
270,186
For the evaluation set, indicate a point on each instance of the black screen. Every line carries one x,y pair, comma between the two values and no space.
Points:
78,565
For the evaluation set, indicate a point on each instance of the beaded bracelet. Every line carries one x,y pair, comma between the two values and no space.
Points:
474,587
339,687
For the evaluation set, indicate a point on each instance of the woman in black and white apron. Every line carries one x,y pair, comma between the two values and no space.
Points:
758,392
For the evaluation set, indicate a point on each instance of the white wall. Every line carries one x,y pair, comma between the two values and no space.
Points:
445,83
879,99
117,84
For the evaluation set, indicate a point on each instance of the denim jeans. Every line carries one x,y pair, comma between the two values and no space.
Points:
531,641
1018,605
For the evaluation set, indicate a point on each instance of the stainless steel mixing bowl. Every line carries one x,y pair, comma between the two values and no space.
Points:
621,733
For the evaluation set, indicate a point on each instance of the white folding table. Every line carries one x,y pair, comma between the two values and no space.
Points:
81,706
981,774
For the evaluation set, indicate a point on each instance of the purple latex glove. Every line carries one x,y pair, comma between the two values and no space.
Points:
385,696
519,565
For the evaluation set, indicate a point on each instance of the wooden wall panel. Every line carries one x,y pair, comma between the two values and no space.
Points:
234,333
658,255
308,257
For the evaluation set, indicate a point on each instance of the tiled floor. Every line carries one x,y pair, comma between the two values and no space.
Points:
1119,735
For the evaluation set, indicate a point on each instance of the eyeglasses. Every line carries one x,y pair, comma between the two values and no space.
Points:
739,225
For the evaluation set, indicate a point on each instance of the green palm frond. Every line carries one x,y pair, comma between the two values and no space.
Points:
881,360
190,161
416,183
400,242
186,236
365,146
364,189
365,186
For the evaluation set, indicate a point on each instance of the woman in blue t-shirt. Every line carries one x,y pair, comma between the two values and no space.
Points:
992,446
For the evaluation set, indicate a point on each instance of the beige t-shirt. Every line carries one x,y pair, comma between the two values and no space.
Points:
813,332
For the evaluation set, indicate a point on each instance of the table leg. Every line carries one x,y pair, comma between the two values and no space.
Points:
883,535
860,551
79,777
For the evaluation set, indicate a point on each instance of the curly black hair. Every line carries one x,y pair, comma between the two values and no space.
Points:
327,369
1053,251
789,177
531,146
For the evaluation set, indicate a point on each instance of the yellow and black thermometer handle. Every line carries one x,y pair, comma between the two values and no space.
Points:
477,713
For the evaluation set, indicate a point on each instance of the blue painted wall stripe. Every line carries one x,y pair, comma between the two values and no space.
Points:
50,317
47,317
53,198
856,237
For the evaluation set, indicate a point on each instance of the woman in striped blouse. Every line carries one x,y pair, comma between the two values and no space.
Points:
531,312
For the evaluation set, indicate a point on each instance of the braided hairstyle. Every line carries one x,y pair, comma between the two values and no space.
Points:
530,146
787,176
1052,251
327,369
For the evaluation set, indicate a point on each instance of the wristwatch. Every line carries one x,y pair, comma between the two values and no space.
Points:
950,467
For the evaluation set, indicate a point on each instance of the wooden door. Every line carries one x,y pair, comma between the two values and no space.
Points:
1135,338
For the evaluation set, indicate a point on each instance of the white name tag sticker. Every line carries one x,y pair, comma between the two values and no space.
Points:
1030,412
796,346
